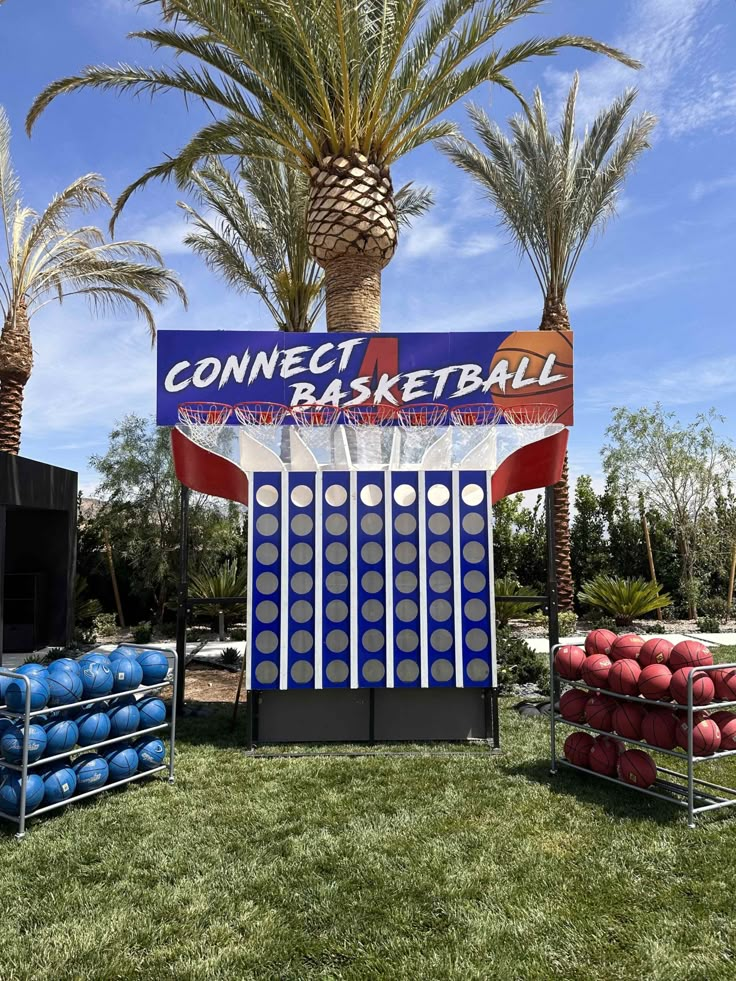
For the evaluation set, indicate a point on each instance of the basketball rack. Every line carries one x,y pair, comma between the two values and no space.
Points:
679,787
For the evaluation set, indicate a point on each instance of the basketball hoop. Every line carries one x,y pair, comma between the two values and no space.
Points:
426,443
532,414
205,421
308,416
369,415
422,415
370,441
478,414
260,413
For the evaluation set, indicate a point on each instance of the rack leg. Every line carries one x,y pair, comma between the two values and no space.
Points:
172,732
690,767
552,737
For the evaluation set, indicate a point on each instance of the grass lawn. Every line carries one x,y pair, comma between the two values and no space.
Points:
459,867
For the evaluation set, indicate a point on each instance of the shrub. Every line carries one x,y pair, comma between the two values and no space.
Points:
508,586
518,664
142,633
651,628
624,599
709,625
34,659
54,653
715,606
238,633
599,622
567,621
167,629
230,655
106,624
85,635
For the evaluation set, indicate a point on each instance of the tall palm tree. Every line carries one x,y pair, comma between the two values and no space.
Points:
47,260
337,89
253,232
552,192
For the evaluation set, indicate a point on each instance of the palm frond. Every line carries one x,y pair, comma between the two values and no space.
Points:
553,191
301,80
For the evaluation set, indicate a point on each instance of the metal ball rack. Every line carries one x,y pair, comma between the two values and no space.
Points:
681,788
28,715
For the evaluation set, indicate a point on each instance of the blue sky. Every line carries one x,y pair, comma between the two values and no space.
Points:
652,303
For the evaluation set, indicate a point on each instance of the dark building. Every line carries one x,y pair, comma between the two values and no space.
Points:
38,541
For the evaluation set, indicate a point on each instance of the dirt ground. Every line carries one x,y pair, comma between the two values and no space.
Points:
210,684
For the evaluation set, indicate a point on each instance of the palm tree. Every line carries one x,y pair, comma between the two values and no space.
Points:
254,234
46,260
551,193
336,89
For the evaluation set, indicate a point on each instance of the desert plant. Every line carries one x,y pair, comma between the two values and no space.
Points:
225,581
141,632
48,259
624,599
230,655
339,90
54,653
552,193
505,611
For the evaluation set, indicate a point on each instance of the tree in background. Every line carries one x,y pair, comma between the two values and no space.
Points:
338,90
589,551
47,259
680,469
519,539
552,192
139,511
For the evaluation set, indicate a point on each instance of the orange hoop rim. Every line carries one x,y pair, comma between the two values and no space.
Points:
261,413
421,414
476,414
531,414
317,414
204,413
369,415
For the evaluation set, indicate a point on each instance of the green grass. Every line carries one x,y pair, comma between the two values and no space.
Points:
457,867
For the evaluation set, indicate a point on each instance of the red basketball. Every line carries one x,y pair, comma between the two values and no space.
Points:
703,690
599,641
628,718
604,755
595,670
599,712
572,705
724,682
706,737
623,677
689,654
659,728
626,646
637,767
726,722
577,748
569,662
656,650
654,682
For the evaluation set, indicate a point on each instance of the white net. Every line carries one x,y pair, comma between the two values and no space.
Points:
204,422
369,435
426,442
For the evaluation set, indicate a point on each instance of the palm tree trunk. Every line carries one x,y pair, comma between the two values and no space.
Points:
353,288
16,363
555,317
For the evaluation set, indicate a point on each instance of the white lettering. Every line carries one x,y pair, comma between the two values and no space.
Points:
291,363
206,371
414,381
470,380
519,380
347,349
383,391
314,366
236,367
333,393
170,384
264,364
499,376
362,387
442,374
545,378
303,394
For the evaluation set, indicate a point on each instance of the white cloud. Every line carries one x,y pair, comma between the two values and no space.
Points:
478,244
673,39
702,189
695,382
165,233
448,239
424,238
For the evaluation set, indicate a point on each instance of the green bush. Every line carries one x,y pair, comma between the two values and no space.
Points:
567,621
238,633
714,606
518,664
623,599
54,653
106,624
653,627
709,625
142,633
230,655
167,629
508,586
85,635
599,622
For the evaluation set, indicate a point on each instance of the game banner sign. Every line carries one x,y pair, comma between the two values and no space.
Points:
511,369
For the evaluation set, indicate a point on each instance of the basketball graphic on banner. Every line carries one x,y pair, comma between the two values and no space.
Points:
538,368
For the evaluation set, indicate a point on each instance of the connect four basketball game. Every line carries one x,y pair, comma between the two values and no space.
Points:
368,465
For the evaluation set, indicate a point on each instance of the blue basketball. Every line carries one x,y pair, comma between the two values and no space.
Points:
6,724
93,726
11,745
97,679
155,666
151,753
61,735
153,712
65,687
97,656
124,718
66,663
127,674
32,669
59,783
125,650
122,761
92,771
15,695
10,793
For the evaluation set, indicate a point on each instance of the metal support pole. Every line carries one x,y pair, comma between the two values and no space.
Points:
553,683
24,759
690,767
492,712
172,729
552,603
182,598
371,715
